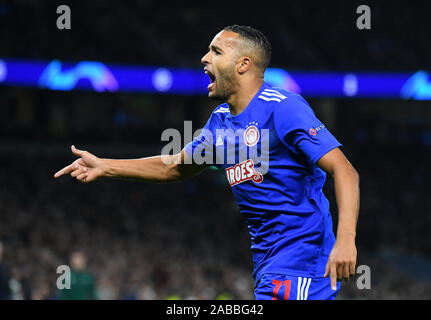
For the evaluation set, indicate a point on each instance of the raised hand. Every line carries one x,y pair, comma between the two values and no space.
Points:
85,169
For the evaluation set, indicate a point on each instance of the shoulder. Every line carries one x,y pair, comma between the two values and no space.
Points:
217,116
280,98
292,105
273,94
220,112
292,112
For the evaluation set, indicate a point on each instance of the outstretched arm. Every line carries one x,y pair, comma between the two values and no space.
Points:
157,169
342,260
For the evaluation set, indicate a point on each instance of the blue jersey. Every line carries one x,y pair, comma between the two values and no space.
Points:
269,153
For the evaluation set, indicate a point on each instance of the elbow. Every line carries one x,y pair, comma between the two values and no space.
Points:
172,170
357,180
346,171
172,173
355,175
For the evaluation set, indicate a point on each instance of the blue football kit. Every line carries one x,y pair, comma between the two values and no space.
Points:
269,153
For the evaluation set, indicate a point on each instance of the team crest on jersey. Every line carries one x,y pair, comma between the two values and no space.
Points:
242,172
251,134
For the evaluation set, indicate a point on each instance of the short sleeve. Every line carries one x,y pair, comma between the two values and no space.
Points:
200,149
301,131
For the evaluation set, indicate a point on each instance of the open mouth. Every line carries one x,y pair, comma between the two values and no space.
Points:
212,79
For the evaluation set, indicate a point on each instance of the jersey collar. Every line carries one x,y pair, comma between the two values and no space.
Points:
244,112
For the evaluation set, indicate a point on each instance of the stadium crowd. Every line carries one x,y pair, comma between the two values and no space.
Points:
315,35
141,241
188,240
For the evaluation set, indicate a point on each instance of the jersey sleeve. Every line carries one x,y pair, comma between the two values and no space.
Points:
301,131
200,149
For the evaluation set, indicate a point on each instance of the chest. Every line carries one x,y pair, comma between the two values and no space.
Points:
236,142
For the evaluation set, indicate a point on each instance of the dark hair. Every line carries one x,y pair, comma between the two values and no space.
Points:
257,38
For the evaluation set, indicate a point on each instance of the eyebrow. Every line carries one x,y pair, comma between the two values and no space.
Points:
214,47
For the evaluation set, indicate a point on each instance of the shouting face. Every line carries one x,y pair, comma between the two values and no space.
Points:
220,65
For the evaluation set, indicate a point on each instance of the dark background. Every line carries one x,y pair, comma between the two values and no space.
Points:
188,240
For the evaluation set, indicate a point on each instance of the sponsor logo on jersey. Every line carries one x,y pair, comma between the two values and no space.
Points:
243,171
219,141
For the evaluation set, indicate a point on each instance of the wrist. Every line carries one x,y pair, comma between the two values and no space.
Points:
105,168
346,236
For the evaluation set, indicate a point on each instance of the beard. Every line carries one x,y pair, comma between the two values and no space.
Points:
225,85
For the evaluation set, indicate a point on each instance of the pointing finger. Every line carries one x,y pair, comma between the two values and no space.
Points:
333,273
65,170
58,173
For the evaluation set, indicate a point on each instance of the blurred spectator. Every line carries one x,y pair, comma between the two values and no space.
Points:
155,241
82,285
5,290
305,35
188,240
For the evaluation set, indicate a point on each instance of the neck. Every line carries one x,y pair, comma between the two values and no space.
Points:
242,97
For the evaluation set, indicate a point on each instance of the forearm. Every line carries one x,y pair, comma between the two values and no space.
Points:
346,181
152,169
342,260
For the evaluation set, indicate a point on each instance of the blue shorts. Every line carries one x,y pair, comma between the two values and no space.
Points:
273,286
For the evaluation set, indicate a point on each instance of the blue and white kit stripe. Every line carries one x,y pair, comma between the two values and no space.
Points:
303,286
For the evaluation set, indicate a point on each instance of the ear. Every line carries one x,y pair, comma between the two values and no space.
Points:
244,65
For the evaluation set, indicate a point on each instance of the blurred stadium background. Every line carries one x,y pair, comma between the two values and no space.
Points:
139,241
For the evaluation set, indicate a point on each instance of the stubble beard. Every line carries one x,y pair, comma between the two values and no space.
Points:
225,86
